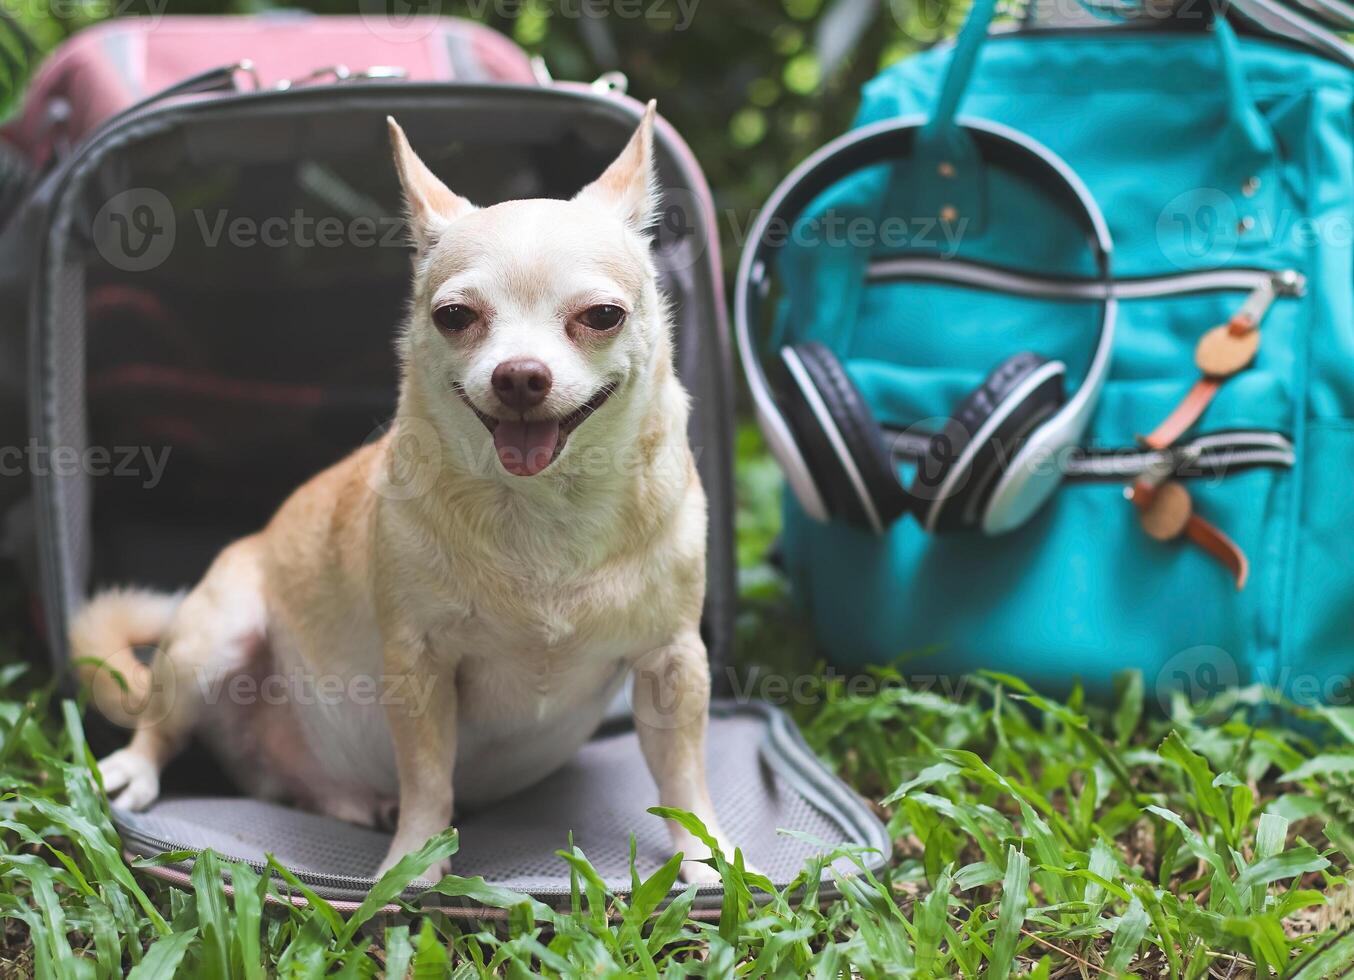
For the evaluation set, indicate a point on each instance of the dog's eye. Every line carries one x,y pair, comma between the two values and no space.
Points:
602,317
454,318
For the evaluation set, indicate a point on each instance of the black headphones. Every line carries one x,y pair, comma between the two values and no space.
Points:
993,464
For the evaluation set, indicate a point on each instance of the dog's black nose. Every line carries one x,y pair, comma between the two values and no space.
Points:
522,383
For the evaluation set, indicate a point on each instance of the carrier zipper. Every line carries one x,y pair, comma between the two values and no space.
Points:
314,879
1211,456
1283,282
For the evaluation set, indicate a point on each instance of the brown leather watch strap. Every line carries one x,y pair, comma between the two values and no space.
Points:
1165,509
1184,414
1166,514
1208,537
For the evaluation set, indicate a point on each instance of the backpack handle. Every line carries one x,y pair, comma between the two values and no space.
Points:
945,140
1242,112
1241,107
941,126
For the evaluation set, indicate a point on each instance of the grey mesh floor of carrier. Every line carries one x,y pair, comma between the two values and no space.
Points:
763,778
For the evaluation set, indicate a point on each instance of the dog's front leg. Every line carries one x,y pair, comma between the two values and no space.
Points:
423,733
672,708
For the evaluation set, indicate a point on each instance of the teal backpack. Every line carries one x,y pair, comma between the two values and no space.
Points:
1056,350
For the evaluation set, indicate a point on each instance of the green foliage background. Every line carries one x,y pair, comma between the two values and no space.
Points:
753,85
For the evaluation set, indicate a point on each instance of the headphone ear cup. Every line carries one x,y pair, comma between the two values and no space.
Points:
954,482
841,440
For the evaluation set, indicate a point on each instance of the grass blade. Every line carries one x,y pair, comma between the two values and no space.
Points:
1127,937
493,896
162,960
430,957
210,892
397,879
250,889
399,953
1011,915
1335,958
324,912
1211,803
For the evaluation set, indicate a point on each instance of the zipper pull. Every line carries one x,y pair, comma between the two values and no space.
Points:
1257,304
1289,282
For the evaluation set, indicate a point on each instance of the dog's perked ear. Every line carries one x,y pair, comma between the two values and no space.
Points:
432,205
630,186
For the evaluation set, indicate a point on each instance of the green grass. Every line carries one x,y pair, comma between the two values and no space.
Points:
1032,838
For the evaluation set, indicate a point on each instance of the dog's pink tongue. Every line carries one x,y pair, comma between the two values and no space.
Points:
525,448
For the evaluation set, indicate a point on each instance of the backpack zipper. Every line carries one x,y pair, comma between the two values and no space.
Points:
1284,282
1210,456
1316,39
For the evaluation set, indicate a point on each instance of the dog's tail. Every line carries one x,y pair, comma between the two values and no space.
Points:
102,637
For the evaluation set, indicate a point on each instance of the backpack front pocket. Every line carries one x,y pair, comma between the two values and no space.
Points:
1080,590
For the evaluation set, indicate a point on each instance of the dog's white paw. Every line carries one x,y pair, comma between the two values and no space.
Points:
134,778
728,850
696,873
437,871
363,811
398,849
693,871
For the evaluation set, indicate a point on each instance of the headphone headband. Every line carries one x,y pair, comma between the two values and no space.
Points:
881,143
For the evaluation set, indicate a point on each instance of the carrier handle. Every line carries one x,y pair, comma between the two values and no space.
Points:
222,78
941,133
218,79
